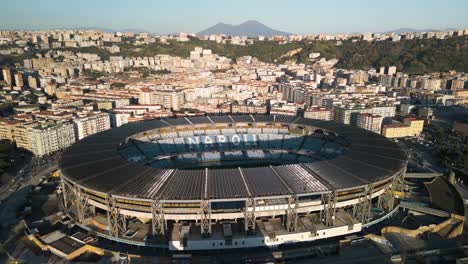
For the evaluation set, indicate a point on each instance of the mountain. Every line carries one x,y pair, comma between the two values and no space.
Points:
250,28
111,30
412,30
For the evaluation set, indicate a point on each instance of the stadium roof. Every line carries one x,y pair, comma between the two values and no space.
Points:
95,163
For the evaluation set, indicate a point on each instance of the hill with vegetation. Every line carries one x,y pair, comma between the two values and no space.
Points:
410,56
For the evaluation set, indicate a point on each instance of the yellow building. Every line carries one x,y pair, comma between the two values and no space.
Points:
21,135
411,127
7,128
41,63
462,95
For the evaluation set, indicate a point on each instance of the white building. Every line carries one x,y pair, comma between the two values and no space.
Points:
318,113
391,70
89,125
370,122
118,119
348,116
49,138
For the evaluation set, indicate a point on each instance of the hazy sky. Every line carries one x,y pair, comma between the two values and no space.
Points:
295,16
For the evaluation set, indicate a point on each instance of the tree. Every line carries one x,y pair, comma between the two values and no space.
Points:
118,85
32,98
92,74
6,109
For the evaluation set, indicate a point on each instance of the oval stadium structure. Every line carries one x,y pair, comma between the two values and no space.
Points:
231,181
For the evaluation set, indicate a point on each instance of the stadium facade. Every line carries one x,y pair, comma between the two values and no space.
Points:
223,182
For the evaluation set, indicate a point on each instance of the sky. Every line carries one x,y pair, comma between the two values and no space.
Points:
294,16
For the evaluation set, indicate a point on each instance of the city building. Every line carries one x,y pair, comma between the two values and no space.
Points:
391,70
371,122
7,128
7,76
248,109
46,139
21,135
91,124
411,127
19,79
66,103
283,108
282,111
319,113
41,63
406,109
348,116
118,118
32,82
168,96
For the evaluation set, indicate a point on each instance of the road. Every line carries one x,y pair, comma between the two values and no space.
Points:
29,175
13,196
420,157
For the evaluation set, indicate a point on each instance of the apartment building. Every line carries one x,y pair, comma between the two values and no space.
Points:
66,103
319,113
282,111
21,135
7,76
370,122
168,96
7,128
46,139
91,124
118,119
248,109
348,116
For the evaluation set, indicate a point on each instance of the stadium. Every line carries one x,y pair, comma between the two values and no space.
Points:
232,181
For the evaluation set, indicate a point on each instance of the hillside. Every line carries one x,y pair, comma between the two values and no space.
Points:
411,56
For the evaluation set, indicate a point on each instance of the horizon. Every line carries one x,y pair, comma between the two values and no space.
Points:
301,17
136,30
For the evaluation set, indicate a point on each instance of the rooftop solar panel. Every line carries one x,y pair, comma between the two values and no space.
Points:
221,119
177,121
79,158
387,163
263,118
263,181
108,180
199,120
225,183
299,180
358,170
185,185
382,151
242,118
145,185
284,118
336,178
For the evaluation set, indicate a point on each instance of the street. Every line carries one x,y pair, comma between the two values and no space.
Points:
420,156
30,174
